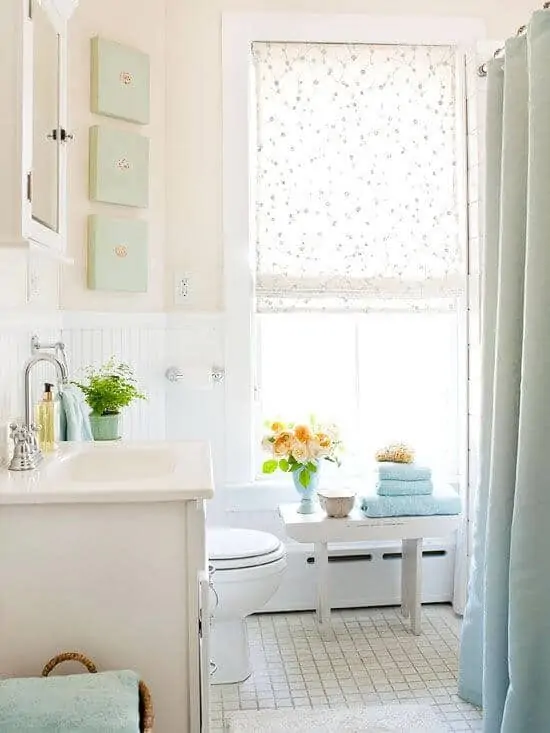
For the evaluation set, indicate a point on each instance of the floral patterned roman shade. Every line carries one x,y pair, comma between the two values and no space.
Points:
356,181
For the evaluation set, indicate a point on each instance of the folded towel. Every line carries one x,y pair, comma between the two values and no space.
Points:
444,500
403,472
107,702
389,487
75,421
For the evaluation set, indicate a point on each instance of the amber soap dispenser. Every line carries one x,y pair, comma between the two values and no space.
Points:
45,419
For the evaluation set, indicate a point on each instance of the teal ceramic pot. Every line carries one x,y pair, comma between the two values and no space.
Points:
105,427
308,504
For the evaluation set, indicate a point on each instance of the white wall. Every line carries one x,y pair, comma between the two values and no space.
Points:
29,298
29,281
140,24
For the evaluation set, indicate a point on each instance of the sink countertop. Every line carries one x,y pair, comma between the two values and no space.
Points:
67,475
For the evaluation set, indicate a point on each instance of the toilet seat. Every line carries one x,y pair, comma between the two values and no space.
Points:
236,549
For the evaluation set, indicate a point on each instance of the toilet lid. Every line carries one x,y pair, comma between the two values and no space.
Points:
241,548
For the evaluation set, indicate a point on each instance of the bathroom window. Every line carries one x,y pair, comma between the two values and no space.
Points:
379,377
359,257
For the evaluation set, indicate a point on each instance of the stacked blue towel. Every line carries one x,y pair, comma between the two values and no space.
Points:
403,472
391,487
404,479
444,500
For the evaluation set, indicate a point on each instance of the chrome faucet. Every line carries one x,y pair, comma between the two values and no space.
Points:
27,454
62,374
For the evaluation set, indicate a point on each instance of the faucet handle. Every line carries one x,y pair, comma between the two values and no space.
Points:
18,433
24,456
32,432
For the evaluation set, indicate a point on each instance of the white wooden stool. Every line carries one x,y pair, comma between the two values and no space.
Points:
321,530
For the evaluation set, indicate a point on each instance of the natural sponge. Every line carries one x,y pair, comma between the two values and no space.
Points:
395,453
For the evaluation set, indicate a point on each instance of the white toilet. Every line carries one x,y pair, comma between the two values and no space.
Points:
247,567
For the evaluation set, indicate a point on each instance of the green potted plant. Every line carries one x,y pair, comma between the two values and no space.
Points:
108,390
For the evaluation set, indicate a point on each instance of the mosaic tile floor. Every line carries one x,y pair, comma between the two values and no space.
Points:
368,657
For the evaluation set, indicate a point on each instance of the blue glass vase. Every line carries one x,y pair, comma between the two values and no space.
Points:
307,494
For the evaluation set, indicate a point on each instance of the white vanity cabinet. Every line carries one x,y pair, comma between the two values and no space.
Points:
115,568
34,131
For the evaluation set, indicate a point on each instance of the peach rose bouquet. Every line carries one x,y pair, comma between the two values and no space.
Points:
300,448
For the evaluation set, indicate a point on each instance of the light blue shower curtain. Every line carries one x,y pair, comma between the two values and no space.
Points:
505,647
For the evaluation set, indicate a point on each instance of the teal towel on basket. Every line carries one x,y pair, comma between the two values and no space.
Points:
75,421
444,500
107,702
403,472
392,487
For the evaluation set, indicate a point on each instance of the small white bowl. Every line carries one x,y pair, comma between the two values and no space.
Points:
337,503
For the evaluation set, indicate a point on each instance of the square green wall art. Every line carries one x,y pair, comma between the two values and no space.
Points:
119,167
117,254
120,81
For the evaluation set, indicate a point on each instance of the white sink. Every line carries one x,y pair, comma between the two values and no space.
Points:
121,471
127,464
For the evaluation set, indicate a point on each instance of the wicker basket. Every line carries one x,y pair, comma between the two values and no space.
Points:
146,716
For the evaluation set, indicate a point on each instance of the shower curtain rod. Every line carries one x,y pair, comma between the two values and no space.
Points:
482,70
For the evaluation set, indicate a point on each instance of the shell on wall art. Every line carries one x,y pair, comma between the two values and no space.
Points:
126,78
123,164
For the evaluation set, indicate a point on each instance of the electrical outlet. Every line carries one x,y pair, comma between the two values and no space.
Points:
182,289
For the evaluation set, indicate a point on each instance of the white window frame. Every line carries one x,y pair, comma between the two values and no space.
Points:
239,31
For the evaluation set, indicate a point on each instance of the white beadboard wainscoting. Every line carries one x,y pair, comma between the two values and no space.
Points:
136,338
191,408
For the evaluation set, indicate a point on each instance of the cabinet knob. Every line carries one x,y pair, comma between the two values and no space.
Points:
60,133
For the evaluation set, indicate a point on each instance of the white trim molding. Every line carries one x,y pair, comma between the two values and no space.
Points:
239,31
94,320
30,320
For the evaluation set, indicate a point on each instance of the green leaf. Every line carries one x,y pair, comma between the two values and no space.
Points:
270,466
293,462
110,387
284,465
305,478
312,467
